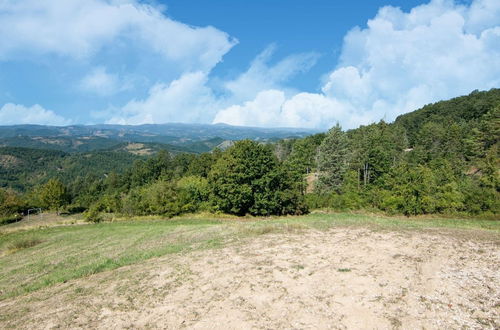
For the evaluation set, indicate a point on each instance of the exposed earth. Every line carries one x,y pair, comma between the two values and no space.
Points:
343,278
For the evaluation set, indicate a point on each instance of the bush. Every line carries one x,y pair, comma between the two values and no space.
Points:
319,200
93,215
193,194
159,198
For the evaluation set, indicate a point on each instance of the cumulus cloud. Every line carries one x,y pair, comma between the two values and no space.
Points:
80,28
186,99
190,99
100,82
404,60
264,109
14,114
271,108
103,37
399,62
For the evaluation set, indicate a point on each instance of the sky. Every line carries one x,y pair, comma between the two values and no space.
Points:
267,63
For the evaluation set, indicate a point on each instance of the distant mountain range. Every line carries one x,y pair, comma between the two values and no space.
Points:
176,137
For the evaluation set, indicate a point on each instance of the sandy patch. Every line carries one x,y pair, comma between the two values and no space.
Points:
339,279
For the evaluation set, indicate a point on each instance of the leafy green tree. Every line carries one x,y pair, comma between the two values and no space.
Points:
180,164
408,190
477,198
283,148
447,194
248,179
54,195
10,203
201,165
375,149
154,168
351,197
333,160
278,192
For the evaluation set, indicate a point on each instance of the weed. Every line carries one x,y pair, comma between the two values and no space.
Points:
298,267
344,270
395,322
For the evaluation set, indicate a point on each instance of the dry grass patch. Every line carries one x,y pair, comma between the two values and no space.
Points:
22,243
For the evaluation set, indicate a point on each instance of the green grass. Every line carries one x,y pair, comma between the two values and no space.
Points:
37,258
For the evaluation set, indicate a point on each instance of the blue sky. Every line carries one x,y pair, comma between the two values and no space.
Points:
257,63
293,26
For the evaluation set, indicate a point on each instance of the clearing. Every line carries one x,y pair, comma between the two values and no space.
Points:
340,271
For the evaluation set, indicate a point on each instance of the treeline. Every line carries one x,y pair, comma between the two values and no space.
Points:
247,178
443,158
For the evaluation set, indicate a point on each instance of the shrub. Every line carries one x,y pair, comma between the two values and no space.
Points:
93,215
160,198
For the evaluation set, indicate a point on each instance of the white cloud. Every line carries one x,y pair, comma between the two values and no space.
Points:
190,99
101,37
186,99
405,60
400,62
397,63
14,114
261,76
271,108
80,28
263,110
100,82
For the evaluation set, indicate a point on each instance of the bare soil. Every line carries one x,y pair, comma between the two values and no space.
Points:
344,278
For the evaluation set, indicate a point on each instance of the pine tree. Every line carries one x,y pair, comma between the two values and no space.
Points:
333,160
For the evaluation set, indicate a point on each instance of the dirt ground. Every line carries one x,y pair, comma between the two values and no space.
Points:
344,278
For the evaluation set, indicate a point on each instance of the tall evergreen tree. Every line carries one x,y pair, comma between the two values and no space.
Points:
333,159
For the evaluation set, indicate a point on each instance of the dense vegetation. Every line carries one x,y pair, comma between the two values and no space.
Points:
22,169
443,158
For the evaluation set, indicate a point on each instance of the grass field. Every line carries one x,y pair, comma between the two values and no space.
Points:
34,258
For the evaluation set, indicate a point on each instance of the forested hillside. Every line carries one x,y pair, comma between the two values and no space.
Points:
22,169
464,112
443,158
